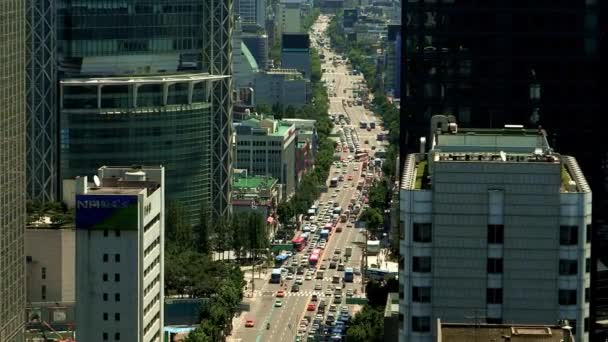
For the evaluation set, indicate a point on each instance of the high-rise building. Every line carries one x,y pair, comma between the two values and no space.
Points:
41,89
495,226
266,147
295,53
148,84
120,228
251,12
289,16
491,63
392,63
12,170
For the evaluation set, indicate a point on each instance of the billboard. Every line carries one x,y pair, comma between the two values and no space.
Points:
100,212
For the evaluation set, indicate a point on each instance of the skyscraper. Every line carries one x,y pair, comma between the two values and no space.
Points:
12,170
149,84
251,12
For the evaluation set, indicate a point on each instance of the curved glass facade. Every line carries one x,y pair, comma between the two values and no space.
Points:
145,124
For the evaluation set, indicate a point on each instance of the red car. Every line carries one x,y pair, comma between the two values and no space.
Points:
249,323
350,177
311,307
280,293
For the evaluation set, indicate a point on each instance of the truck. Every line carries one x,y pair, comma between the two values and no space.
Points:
333,182
275,276
319,274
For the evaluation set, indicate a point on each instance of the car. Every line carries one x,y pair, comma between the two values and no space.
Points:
350,177
337,299
280,293
290,275
333,308
318,287
249,323
338,251
332,265
344,310
278,303
356,270
299,280
311,307
295,288
314,298
366,141
334,195
308,277
328,293
335,258
349,293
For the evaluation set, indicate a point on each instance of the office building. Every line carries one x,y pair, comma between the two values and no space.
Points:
251,12
266,147
289,16
120,227
41,89
494,224
131,92
284,86
392,61
258,46
12,170
295,53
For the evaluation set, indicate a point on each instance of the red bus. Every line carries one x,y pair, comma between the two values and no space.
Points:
298,243
316,251
313,259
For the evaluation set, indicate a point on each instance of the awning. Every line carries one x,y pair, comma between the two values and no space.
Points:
270,220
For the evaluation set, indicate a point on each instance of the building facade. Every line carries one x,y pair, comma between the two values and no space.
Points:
289,16
496,225
266,147
284,86
392,61
251,12
120,255
12,169
295,53
258,46
121,82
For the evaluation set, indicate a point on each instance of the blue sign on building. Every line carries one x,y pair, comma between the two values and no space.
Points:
98,212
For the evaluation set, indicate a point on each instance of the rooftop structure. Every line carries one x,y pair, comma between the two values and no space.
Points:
454,332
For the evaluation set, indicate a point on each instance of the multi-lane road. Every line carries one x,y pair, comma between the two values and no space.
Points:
284,321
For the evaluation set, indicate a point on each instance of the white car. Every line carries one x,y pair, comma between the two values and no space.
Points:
308,277
334,195
289,276
299,280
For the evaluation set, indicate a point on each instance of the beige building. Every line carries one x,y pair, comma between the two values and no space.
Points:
49,270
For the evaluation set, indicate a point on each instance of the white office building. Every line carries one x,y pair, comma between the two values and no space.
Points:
495,227
119,255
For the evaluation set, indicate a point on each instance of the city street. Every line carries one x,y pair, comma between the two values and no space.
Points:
285,321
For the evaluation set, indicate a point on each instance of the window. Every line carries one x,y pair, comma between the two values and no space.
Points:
43,294
401,317
567,267
494,320
105,336
105,277
105,297
587,265
43,272
105,316
117,297
421,324
587,294
117,233
117,257
117,336
105,234
105,257
117,316
421,264
422,232
117,277
421,294
588,233
494,265
567,297
586,324
568,235
495,233
494,296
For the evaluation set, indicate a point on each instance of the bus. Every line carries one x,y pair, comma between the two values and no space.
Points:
343,217
275,276
348,275
333,182
298,243
313,259
360,155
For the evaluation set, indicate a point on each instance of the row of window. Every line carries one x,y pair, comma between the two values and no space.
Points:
151,223
116,277
151,323
116,297
570,267
151,247
106,233
151,285
106,257
116,316
151,304
104,336
423,265
152,265
422,232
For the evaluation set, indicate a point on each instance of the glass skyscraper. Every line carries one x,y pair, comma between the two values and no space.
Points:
12,170
146,82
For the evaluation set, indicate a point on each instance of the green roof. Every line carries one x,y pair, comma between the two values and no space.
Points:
253,182
281,130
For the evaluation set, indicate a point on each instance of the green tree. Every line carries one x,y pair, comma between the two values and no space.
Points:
203,230
285,211
366,326
373,219
263,109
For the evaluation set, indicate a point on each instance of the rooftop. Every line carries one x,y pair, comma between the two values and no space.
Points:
455,332
253,182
